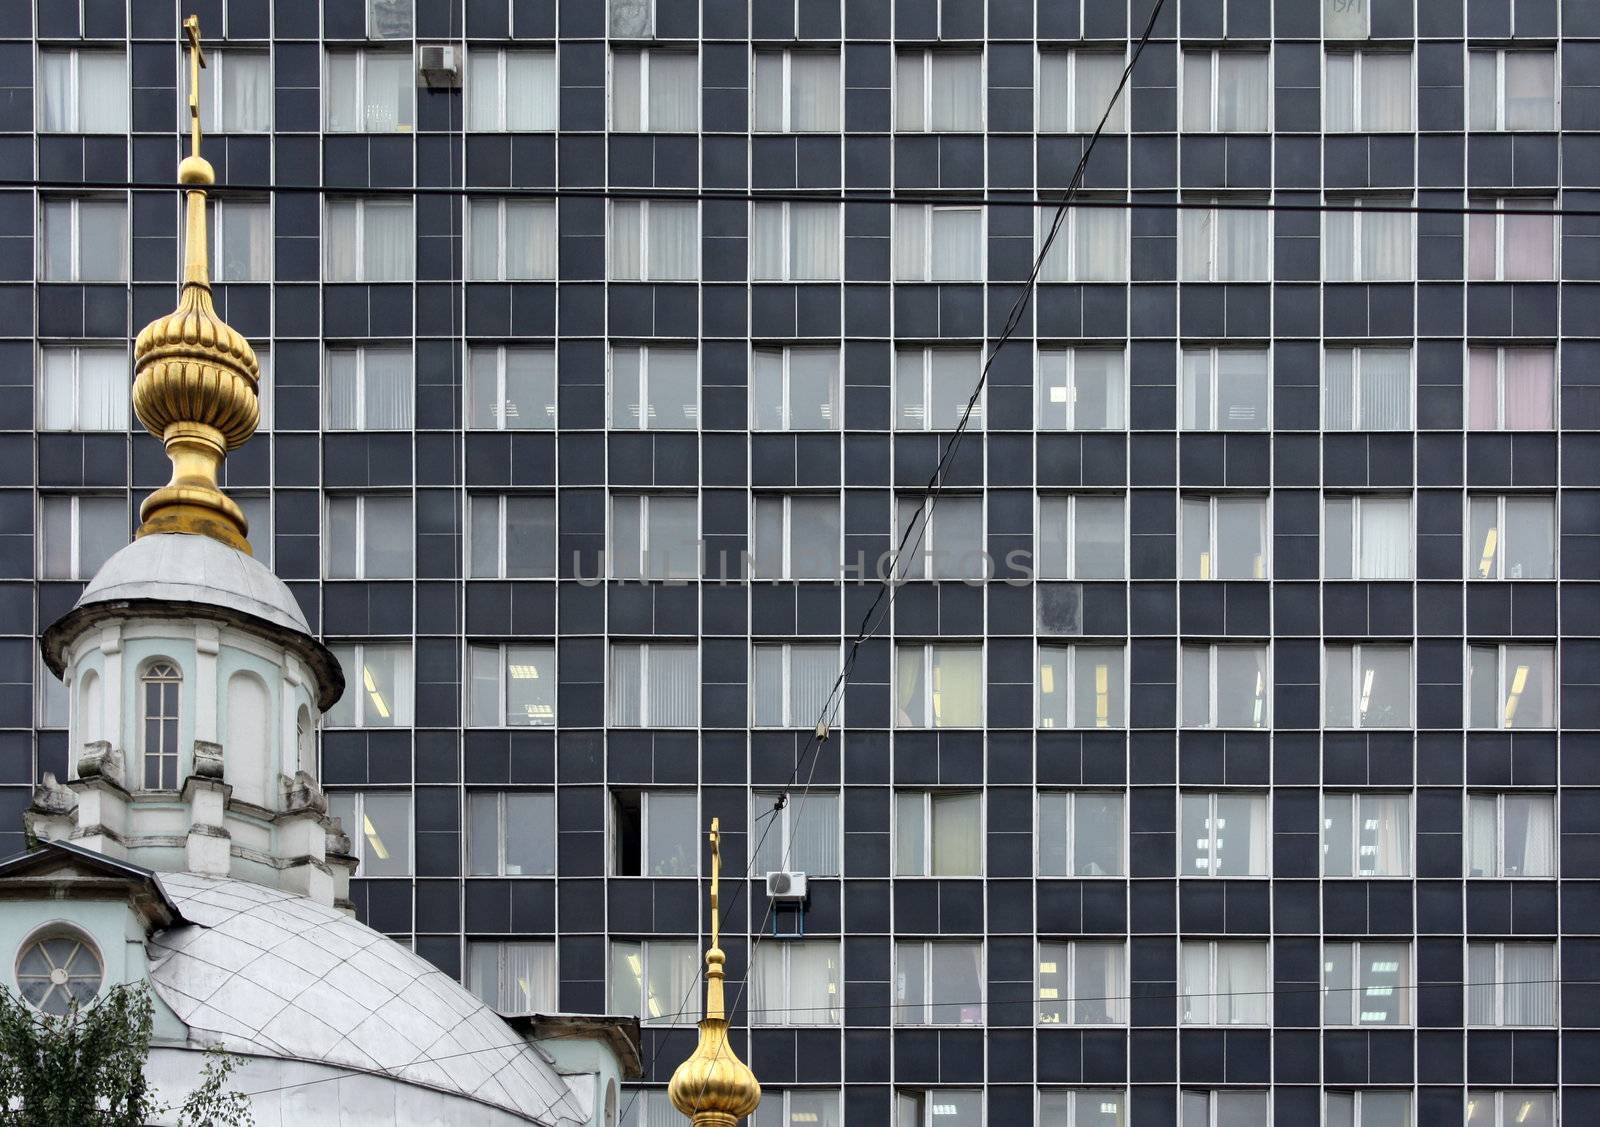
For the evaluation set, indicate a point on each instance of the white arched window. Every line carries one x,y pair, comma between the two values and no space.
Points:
305,742
89,717
158,689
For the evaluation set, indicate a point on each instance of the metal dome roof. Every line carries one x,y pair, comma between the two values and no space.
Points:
274,974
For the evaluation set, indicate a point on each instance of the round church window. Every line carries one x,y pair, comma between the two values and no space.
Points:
57,971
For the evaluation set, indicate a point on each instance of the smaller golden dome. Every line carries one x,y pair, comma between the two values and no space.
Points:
196,381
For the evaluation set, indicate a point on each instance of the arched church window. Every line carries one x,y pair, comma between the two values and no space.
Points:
305,742
57,971
159,715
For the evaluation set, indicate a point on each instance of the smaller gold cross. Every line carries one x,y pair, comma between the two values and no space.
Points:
197,59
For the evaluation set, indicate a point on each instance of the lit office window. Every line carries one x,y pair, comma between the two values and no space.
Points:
801,1107
1366,835
1513,1107
1223,834
938,1107
369,536
1081,686
511,685
1511,834
938,91
1367,685
938,686
378,824
1224,1107
369,92
1511,686
1366,536
938,983
938,833
1366,983
1226,686
1366,1108
1081,389
1511,536
378,687
1225,388
1083,983
1081,834
1083,1107
1075,87
1367,92
513,91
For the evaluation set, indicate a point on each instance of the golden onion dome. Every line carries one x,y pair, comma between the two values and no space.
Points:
196,380
713,1087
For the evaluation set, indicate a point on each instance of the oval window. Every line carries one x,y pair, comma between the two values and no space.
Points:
54,972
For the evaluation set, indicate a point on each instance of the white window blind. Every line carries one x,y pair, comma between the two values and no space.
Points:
655,685
369,388
235,83
82,91
791,683
938,244
1225,244
1366,389
1090,246
798,982
1511,984
938,833
1366,537
1369,244
1511,835
511,90
513,977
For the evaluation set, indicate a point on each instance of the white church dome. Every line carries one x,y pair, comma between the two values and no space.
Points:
269,973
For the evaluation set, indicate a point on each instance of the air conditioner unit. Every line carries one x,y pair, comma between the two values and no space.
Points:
438,64
786,886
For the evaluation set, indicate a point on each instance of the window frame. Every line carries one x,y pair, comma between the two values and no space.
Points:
501,818
1501,353
363,55
644,569
75,273
646,394
502,355
645,649
924,558
1070,834
360,204
1361,985
1118,1004
502,55
1357,1105
1116,122
76,570
644,945
1065,248
1501,115
786,1012
77,350
927,650
1355,648
927,1009
794,721
1072,350
1501,1114
641,270
1503,685
925,353
927,796
359,838
761,806
922,1100
74,113
1498,203
925,253
1474,566
360,352
503,652
1070,500
1214,353
1211,556
163,762
1211,993
926,55
647,52
787,271
1216,205
1500,872
1071,1097
501,503
215,219
362,565
785,571
1357,501
786,110
1361,272
784,352
218,59
1500,983
1212,857
1358,817
501,271
504,947
1213,650
1070,690
1358,354
1214,57
646,797
1358,89
402,717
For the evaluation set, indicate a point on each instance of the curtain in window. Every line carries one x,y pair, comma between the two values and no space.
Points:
102,94
1385,92
1530,836
341,95
1098,977
814,835
768,1004
674,92
908,91
56,95
1385,539
245,94
1097,392
1483,837
388,92
1385,388
1529,550
528,984
909,689
955,983
1339,94
1338,389
103,385
957,836
1483,93
1194,973
530,239
1483,389
1095,81
957,687
1339,246
813,984
910,241
766,243
386,241
1530,90
669,970
674,240
1530,378
1529,240
910,829
1055,92
530,389
627,686
1194,232
766,93
1530,988
673,687
625,243
1242,248
814,92
814,389
246,251
1196,103
483,90
532,93
955,244
956,92
1241,984
1389,819
102,240
812,672
340,240
814,241
1243,93
1100,238
1385,245
626,91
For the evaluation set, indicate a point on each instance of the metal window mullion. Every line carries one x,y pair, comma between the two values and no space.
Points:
502,537
502,700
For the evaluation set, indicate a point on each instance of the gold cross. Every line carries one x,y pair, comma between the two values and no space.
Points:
197,59
716,874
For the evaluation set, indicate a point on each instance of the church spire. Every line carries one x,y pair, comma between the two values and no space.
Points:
195,387
714,1088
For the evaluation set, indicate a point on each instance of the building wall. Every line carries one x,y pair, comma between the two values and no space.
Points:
296,466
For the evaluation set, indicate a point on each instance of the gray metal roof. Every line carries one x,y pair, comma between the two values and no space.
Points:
195,569
271,973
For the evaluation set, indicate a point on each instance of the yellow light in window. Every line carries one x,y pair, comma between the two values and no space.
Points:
1519,682
1102,698
380,705
1058,393
1048,967
1260,567
529,672
1205,565
1047,679
1366,690
373,839
1491,540
1049,992
1526,1110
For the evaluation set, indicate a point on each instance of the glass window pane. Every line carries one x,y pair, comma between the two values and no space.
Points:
1097,687
386,830
483,833
910,832
671,839
958,687
1338,839
1097,834
530,685
1529,549
1239,830
483,686
530,537
1241,537
673,686
957,834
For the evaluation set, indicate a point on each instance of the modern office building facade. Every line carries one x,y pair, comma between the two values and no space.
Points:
1226,754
